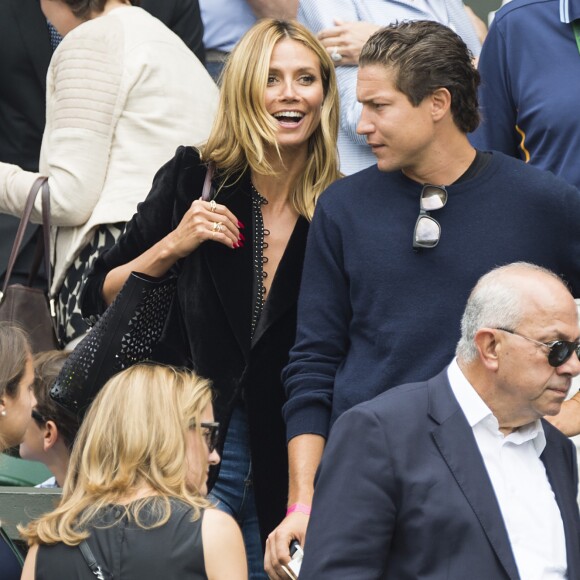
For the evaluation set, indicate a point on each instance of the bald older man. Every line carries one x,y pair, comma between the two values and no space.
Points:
459,476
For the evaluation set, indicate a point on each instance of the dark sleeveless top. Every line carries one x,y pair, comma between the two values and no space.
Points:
173,551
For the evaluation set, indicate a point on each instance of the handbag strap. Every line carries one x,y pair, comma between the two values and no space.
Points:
46,234
39,182
91,560
206,192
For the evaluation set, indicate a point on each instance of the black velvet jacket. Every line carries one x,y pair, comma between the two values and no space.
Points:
211,317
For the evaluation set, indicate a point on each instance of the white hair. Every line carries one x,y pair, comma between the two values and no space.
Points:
495,302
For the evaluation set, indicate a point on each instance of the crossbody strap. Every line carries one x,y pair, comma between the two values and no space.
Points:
91,560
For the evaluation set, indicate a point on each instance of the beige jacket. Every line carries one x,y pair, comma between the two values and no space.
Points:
123,92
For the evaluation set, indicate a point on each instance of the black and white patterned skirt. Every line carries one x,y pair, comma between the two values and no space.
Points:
71,324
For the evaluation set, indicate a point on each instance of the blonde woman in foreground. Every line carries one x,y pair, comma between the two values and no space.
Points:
135,490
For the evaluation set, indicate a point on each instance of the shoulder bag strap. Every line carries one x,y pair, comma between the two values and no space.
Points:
20,232
46,235
206,193
43,241
91,560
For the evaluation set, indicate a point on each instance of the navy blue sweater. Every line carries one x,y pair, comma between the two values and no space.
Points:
374,314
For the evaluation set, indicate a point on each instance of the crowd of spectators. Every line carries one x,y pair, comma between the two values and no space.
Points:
368,168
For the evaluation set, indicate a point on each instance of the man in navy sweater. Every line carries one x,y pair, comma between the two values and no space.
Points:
394,250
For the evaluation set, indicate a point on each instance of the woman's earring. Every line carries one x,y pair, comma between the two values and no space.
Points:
3,413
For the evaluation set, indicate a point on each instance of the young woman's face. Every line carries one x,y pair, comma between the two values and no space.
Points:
295,93
18,409
199,458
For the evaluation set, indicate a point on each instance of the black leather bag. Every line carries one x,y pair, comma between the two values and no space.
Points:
32,308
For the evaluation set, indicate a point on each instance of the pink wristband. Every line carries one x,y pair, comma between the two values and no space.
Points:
298,507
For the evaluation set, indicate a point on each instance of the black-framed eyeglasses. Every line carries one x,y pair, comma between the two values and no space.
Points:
427,229
559,350
210,434
41,419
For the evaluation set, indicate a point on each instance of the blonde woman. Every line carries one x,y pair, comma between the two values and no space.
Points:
239,256
135,490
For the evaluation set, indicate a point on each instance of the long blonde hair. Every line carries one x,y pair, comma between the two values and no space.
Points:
243,129
133,437
14,353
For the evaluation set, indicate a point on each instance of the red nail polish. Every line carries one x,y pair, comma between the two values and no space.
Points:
236,246
240,224
242,237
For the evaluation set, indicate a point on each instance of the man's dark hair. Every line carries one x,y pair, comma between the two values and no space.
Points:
47,366
427,56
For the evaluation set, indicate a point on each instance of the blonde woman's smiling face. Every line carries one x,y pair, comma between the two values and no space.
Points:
294,93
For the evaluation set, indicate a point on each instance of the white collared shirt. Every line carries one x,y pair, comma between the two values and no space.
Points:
518,476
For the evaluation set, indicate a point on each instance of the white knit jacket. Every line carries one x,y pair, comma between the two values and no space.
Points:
123,92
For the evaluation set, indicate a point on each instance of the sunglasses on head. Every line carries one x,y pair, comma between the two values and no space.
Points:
427,229
210,434
559,350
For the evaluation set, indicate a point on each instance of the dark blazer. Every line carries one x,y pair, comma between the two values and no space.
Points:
212,316
403,493
26,52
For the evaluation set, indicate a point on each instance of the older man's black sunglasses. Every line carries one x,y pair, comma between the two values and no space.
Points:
559,350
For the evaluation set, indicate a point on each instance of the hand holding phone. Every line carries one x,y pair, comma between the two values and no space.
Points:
296,554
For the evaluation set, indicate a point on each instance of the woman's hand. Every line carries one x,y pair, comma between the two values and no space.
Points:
205,220
346,39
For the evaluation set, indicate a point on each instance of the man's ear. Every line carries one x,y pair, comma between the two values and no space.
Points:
488,347
50,436
440,103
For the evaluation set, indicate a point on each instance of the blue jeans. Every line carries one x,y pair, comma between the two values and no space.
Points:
233,491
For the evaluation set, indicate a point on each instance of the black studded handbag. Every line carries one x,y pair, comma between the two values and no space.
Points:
127,333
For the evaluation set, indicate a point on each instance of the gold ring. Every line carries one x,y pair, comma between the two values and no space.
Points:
217,227
212,205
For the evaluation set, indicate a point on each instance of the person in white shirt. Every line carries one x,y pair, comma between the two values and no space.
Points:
460,476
